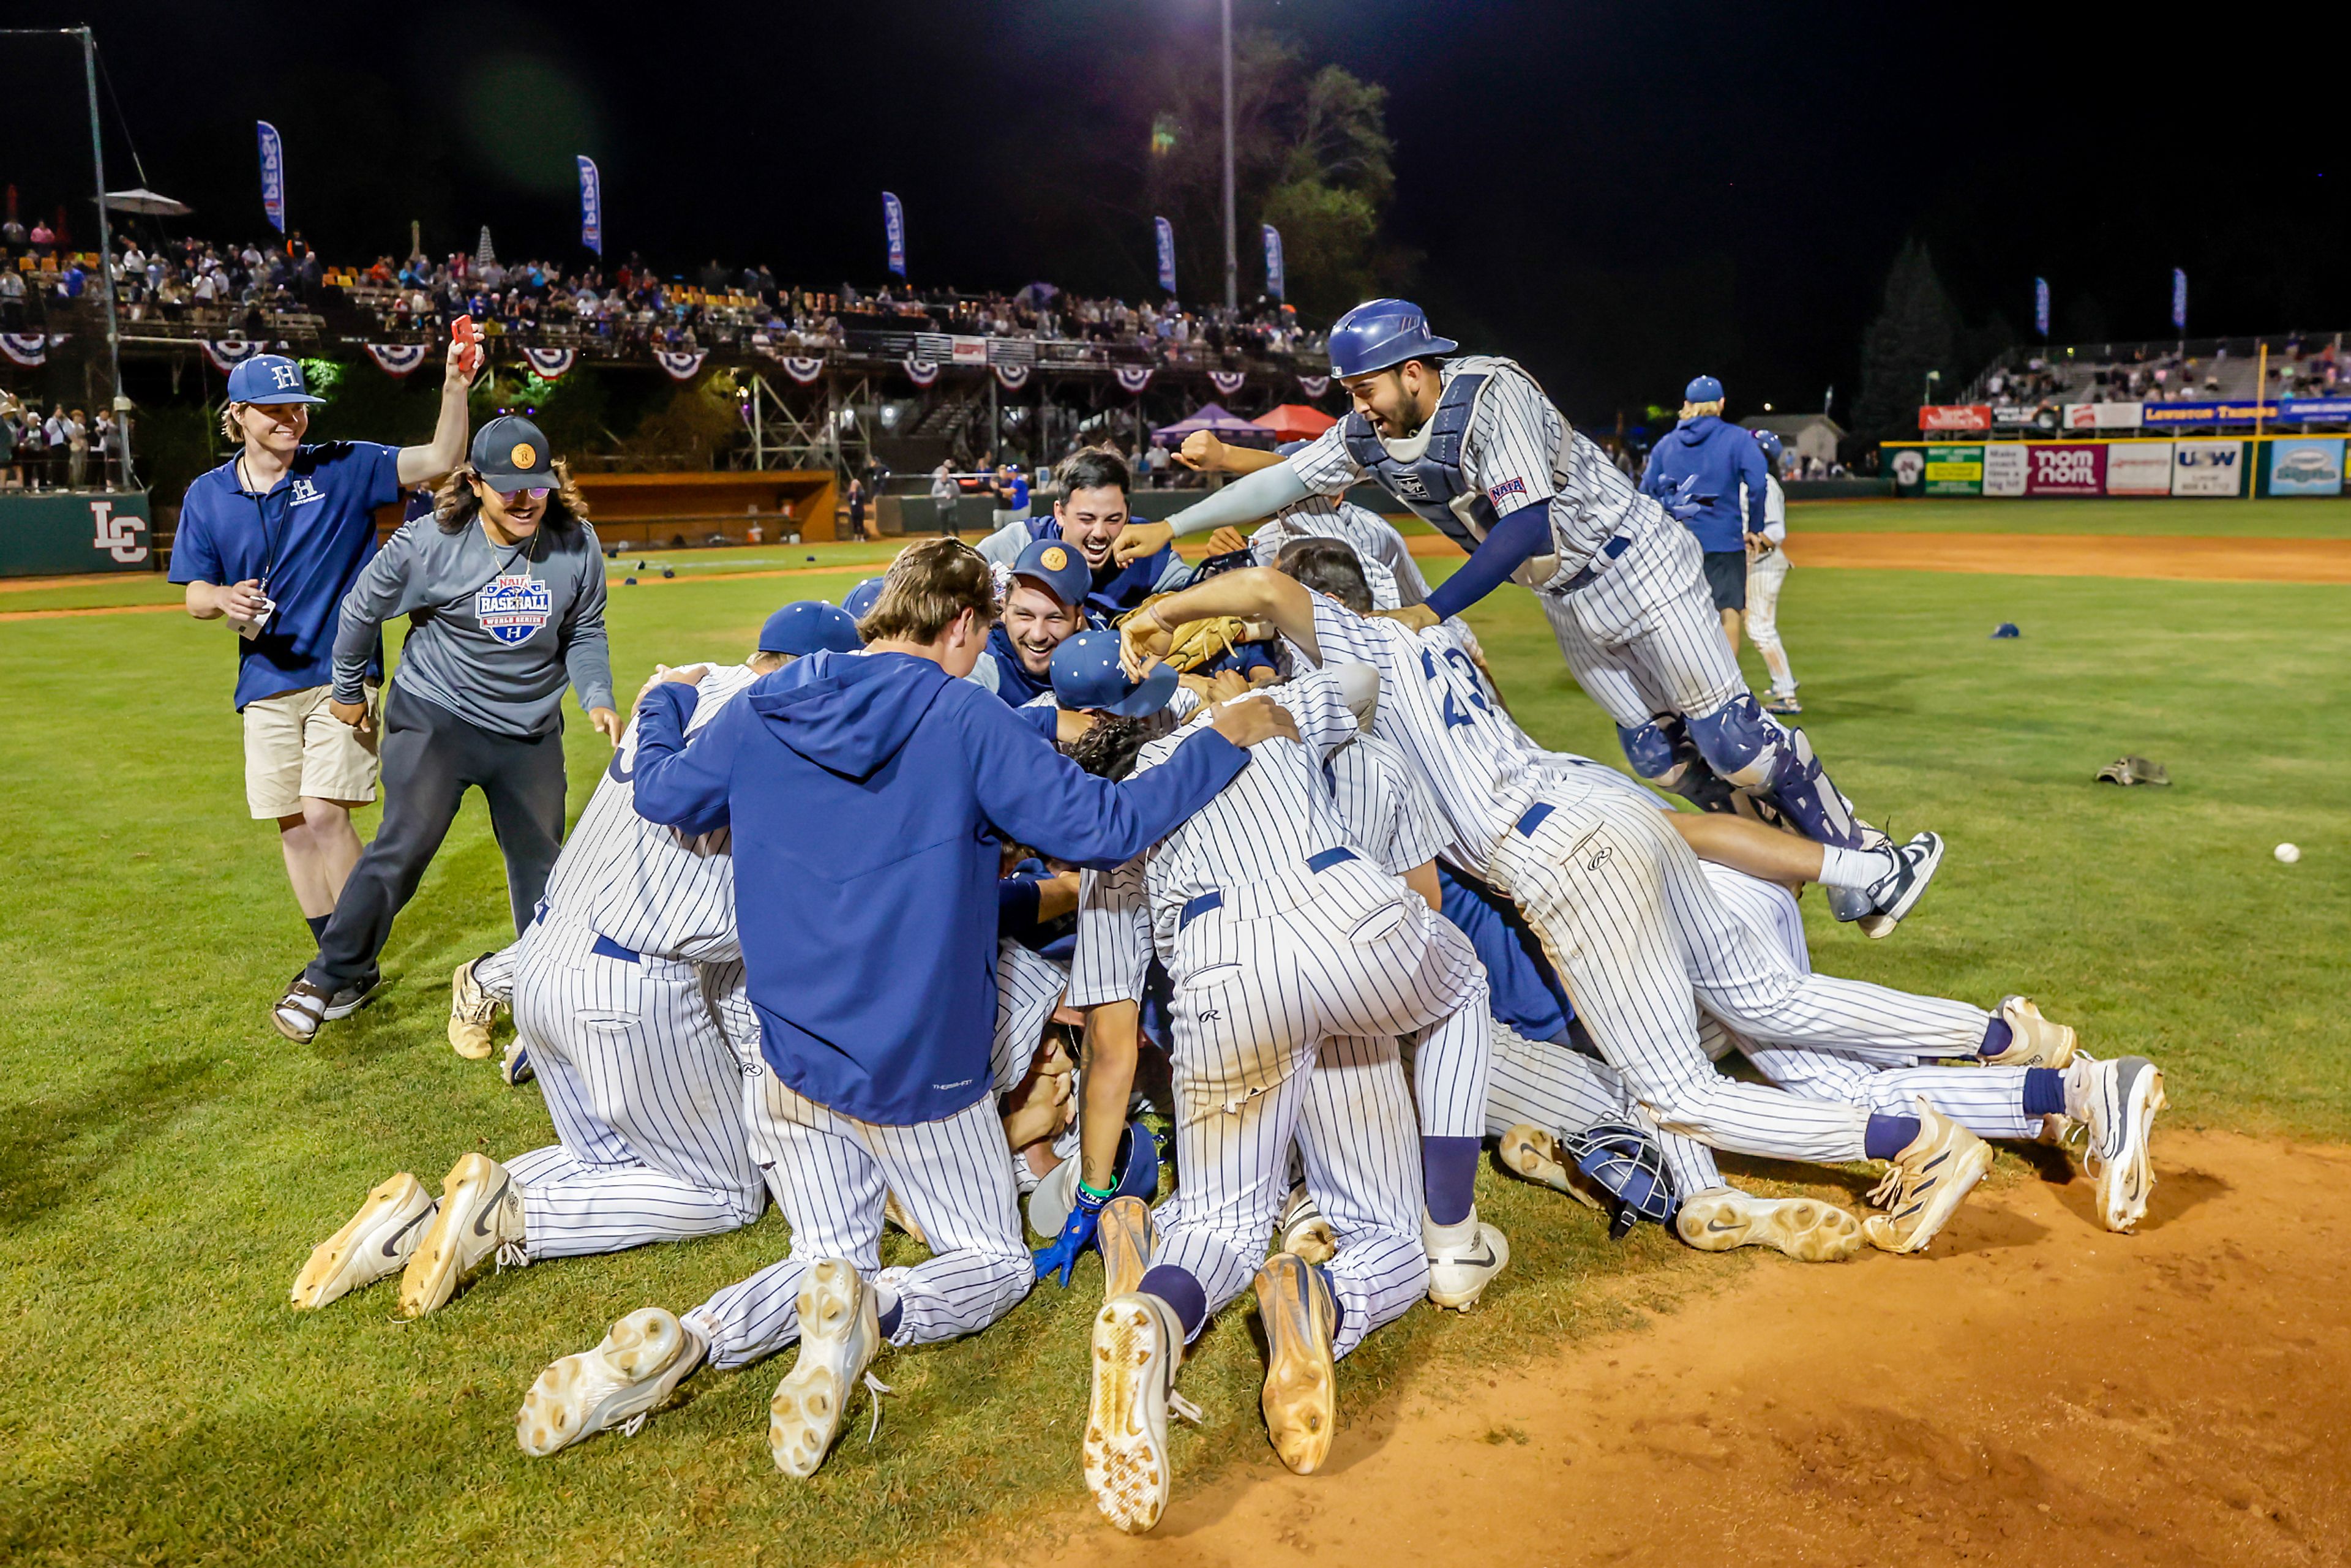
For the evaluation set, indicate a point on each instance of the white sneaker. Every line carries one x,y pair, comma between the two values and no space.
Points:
840,1331
1462,1261
618,1383
2122,1098
1805,1228
1303,1229
1138,1343
375,1242
481,1215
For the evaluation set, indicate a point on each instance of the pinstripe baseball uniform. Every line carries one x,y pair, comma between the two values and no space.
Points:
1389,571
618,991
1766,574
1297,962
1628,919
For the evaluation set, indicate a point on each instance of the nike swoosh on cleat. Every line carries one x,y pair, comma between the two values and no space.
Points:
1485,1262
1717,1226
391,1242
481,1226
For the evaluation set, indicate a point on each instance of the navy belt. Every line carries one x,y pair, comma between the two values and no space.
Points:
1214,899
605,947
1526,825
1608,552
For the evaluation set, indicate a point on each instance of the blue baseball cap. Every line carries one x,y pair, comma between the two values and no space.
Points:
861,599
1705,389
808,625
1059,569
1087,675
268,378
1770,442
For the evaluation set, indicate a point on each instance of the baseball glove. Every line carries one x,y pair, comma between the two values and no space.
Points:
1196,642
2133,770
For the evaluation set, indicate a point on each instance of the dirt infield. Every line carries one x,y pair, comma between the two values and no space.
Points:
2186,558
2035,1390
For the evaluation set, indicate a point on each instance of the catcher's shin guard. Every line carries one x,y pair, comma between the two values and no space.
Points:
1775,766
1662,752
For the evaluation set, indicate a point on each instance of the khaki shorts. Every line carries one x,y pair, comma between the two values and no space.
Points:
295,748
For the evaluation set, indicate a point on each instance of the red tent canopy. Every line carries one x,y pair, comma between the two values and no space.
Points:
1296,421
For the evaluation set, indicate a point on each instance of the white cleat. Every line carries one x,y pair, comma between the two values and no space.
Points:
618,1383
1926,1183
2123,1097
1897,893
1805,1228
1303,1229
376,1241
1124,1235
481,1215
1531,1153
1301,1395
472,1010
1138,1343
2034,1040
839,1332
1462,1261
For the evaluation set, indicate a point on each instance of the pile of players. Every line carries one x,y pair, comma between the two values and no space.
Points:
824,925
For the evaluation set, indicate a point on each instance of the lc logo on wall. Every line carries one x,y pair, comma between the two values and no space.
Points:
513,609
119,536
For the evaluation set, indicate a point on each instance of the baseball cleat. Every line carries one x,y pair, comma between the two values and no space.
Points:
1805,1228
472,1010
1299,1399
1462,1261
2123,1097
2034,1040
300,1011
1783,705
1924,1183
481,1215
1138,1343
1535,1155
1124,1235
840,1331
514,1064
894,1213
1302,1229
1897,893
375,1242
618,1383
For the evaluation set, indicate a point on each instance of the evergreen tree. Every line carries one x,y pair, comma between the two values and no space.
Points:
1916,330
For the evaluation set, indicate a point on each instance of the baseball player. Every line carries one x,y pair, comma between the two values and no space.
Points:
618,988
1632,925
1711,475
869,950
1089,515
1767,574
1297,961
1395,577
1044,605
1471,445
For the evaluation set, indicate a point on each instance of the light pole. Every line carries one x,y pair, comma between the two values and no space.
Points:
1932,378
1232,267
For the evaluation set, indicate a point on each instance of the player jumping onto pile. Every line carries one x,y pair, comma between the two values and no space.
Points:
1472,443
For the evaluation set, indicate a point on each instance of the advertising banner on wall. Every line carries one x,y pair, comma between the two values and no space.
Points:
2004,468
2208,469
2139,468
2306,465
1954,417
2024,416
1908,468
1954,471
2169,414
2077,468
2315,410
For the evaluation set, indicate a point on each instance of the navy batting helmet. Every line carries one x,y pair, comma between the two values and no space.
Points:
1379,333
1769,439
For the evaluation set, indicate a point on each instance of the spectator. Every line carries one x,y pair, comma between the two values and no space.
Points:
76,450
12,300
857,510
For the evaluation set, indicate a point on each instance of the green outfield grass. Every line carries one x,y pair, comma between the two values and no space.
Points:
2306,519
167,1162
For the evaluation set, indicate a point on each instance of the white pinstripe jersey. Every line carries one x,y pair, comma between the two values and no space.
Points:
1386,806
1274,817
1387,561
1519,449
647,887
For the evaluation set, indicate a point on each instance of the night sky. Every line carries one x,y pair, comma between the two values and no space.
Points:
1621,195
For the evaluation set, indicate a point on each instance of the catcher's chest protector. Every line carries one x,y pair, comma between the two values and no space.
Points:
1431,485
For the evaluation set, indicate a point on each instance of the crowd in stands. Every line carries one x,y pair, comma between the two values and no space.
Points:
66,449
2298,367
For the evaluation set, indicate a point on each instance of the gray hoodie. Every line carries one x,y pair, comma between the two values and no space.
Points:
495,633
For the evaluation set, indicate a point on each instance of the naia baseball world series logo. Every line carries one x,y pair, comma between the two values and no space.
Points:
513,609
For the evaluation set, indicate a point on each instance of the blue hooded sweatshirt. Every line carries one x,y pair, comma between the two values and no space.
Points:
1723,456
863,789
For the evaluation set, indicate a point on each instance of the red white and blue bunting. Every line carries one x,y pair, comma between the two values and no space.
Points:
399,358
1314,386
680,364
1013,377
1131,378
27,347
550,364
921,372
1227,383
802,369
226,355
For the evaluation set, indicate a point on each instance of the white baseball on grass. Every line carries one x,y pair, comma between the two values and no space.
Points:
2287,854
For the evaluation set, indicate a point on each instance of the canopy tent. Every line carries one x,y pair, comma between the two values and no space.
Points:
1228,426
1296,421
142,200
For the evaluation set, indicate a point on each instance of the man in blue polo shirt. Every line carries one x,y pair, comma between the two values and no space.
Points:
1089,515
270,541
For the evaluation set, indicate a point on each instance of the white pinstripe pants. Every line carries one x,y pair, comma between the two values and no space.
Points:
1545,1084
1766,575
1288,1000
1643,638
645,1093
829,1173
